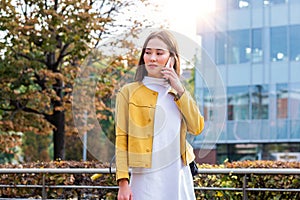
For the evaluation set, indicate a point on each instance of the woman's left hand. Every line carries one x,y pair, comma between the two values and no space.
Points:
170,75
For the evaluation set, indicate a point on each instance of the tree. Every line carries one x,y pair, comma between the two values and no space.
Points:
43,45
9,142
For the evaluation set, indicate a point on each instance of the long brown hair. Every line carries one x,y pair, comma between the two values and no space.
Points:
170,41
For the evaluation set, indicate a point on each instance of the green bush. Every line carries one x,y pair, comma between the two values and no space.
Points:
200,180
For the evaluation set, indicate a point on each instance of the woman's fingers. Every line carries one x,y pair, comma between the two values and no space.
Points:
170,75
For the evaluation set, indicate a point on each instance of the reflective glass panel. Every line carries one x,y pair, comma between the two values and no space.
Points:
294,94
260,101
256,46
208,103
239,50
282,100
238,103
295,43
220,46
277,1
278,43
238,4
274,2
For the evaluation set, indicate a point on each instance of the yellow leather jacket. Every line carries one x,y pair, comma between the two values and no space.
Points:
135,109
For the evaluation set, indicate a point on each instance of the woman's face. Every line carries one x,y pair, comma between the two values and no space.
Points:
155,57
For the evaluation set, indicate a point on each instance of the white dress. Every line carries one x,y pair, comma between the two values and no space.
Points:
168,178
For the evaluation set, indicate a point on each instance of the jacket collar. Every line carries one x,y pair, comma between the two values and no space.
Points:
170,90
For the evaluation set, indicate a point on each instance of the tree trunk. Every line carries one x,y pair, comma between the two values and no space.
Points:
58,117
59,135
58,120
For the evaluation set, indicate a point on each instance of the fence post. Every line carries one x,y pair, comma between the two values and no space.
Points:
245,197
44,194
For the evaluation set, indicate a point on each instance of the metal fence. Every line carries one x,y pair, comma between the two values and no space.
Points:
245,172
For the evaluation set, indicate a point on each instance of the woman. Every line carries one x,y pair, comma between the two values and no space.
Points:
153,115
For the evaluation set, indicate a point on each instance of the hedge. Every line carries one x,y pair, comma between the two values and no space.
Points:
253,181
57,179
200,180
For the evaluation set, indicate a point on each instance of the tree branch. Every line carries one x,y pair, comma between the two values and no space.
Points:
62,53
39,81
29,58
18,107
55,5
30,110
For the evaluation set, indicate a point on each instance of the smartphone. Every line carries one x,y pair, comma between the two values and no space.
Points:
170,62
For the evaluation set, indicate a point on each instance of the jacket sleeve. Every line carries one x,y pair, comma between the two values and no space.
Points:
191,113
121,146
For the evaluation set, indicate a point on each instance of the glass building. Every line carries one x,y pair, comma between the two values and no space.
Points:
255,45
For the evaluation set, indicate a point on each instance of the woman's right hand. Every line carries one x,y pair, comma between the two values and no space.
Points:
124,190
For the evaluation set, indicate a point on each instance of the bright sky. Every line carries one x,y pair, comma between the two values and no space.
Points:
182,15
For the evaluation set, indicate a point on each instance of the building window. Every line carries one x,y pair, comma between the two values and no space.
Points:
256,46
295,110
295,100
267,2
239,50
294,43
208,105
260,101
278,43
220,46
238,103
239,4
282,100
